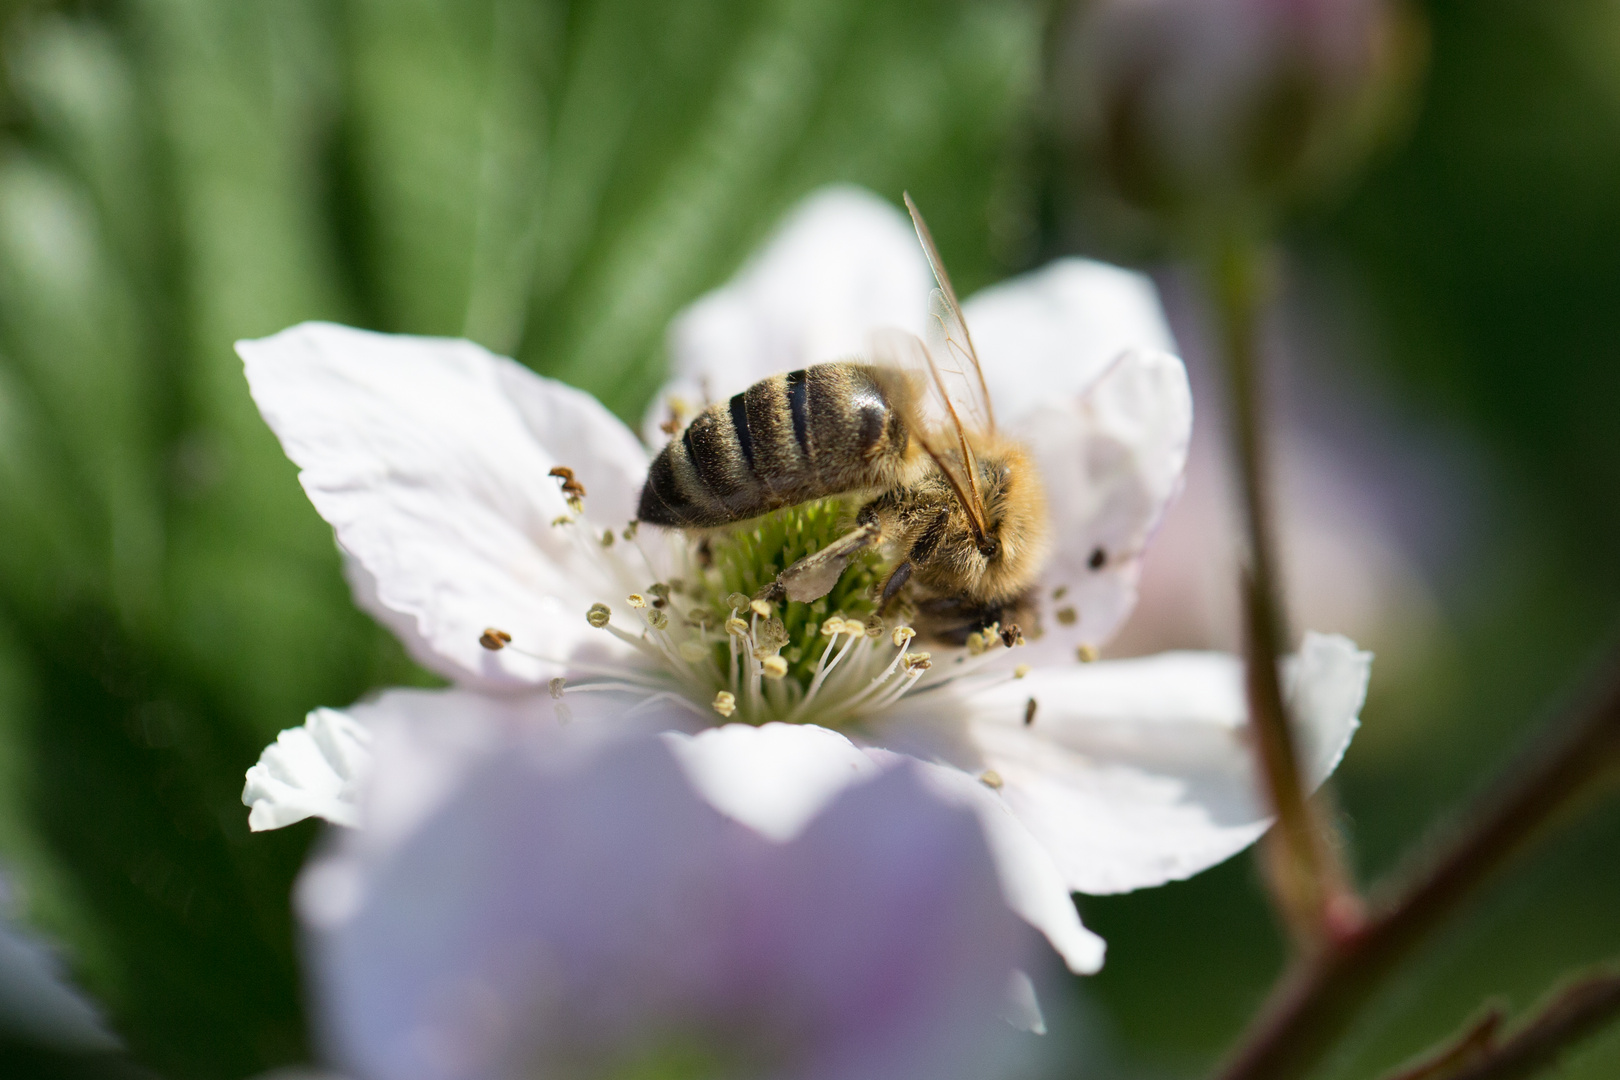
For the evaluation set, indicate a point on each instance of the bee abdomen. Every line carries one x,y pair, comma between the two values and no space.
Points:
811,433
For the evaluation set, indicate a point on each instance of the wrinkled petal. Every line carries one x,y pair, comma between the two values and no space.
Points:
777,777
496,940
1051,333
843,264
1138,772
429,457
310,771
1112,461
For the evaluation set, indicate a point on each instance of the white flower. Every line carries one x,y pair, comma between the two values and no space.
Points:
432,459
581,912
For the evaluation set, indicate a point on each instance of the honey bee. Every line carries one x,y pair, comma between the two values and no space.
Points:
911,435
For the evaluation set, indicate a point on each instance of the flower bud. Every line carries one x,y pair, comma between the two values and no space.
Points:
1205,109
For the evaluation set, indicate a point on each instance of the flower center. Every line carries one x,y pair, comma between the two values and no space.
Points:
710,642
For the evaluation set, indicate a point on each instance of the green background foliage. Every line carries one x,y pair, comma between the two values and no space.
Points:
555,180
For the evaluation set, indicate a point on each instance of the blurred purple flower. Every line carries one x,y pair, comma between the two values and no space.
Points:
573,910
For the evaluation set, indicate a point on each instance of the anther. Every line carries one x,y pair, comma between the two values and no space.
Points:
1060,592
919,661
771,635
599,615
725,703
571,487
657,619
736,627
1011,635
991,779
660,593
874,626
975,644
832,627
636,600
494,640
1086,654
1029,712
692,652
1098,559
607,538
1067,616
737,601
762,608
556,687
902,635
774,667
630,530
1021,670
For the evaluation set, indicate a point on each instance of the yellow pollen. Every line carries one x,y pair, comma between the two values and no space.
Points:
725,703
902,634
775,667
736,627
636,600
1086,654
762,608
1020,671
991,779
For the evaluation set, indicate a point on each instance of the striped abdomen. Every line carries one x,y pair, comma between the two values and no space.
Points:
820,431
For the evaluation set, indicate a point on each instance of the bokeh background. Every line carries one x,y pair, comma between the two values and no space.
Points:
555,180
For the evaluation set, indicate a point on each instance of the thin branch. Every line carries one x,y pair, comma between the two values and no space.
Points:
1314,1004
1474,1044
1580,1010
1309,884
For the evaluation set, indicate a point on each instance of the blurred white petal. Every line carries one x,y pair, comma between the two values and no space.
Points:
579,913
429,457
777,777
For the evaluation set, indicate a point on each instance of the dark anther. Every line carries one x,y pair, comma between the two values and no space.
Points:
1029,712
1010,635
571,487
1098,558
494,640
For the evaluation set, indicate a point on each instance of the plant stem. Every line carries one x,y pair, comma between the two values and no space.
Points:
1316,1002
1580,1010
1308,883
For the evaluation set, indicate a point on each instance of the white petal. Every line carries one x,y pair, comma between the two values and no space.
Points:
776,778
1112,461
842,264
429,457
1051,333
1138,772
310,771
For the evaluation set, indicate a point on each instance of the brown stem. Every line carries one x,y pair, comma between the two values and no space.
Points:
1313,1004
1578,1011
1474,1044
1308,882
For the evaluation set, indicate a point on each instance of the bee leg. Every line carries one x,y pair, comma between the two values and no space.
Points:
814,576
897,578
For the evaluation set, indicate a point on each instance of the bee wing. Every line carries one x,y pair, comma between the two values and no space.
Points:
930,416
958,373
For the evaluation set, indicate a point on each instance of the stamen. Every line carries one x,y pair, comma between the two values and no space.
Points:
599,615
1029,712
636,600
1086,654
693,652
1021,670
762,608
737,602
494,640
991,779
725,703
607,538
1066,616
556,686
774,667
657,619
902,635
